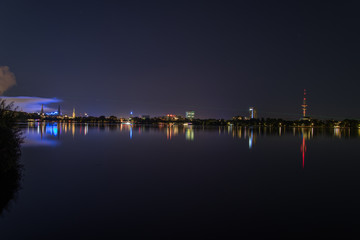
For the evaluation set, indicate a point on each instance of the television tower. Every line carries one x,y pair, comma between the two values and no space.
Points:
304,104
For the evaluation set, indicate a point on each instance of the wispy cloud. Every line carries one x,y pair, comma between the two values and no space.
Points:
7,79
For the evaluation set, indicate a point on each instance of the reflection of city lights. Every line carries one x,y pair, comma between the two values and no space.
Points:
189,134
337,132
168,133
131,133
239,133
73,129
86,129
176,130
55,130
251,139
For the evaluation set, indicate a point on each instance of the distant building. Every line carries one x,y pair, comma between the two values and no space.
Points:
145,117
238,118
252,113
190,115
172,117
73,114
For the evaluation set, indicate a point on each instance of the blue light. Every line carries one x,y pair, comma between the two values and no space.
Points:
52,113
55,130
251,139
131,113
51,129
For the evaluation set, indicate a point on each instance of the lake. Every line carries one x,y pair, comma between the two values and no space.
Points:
94,181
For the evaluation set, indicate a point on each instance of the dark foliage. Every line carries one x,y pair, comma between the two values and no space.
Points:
10,169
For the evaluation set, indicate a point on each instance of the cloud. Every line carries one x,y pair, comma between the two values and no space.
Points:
7,79
31,104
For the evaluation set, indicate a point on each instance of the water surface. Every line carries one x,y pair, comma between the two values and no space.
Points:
97,181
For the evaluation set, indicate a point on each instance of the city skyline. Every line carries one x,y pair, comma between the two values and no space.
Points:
161,57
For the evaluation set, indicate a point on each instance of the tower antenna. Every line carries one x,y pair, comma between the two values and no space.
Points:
304,106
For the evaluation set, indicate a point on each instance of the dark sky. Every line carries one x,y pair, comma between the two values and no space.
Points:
158,57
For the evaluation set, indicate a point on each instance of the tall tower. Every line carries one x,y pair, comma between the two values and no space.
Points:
73,115
42,110
304,106
59,113
252,113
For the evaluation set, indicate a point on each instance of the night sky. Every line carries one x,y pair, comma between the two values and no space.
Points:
157,57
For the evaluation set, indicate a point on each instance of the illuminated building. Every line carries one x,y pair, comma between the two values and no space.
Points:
73,114
59,113
238,118
252,113
172,117
190,115
52,114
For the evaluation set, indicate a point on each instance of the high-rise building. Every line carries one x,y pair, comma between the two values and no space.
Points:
190,115
73,114
59,113
252,112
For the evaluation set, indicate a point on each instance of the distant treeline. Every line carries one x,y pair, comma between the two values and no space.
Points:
266,122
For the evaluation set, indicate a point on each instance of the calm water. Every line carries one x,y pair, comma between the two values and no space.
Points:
96,181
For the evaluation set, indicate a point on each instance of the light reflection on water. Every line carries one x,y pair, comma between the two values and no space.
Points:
50,133
54,130
251,177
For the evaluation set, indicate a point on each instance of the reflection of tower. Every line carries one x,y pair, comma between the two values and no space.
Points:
252,112
252,137
306,134
73,115
303,149
304,104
